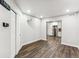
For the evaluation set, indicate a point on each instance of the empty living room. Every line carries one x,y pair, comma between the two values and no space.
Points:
39,28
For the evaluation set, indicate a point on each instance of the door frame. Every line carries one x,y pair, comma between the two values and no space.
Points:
51,22
13,33
17,36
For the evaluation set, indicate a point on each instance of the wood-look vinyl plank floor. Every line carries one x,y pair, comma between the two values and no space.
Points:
52,48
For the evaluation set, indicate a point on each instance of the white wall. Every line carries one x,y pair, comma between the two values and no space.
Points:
29,30
70,30
5,34
43,29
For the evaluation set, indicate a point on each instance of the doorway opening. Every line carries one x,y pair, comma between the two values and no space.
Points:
54,30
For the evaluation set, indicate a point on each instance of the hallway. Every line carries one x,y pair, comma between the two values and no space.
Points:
28,28
52,48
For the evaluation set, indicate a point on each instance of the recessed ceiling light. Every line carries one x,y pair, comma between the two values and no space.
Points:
28,11
41,16
67,10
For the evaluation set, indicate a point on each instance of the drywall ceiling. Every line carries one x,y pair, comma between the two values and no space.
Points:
47,8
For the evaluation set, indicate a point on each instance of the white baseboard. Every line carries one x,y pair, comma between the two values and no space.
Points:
43,39
68,44
30,42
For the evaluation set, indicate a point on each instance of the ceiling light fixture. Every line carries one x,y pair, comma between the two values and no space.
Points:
28,11
67,10
41,16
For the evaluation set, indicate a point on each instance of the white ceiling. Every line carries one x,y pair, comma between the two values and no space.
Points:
48,8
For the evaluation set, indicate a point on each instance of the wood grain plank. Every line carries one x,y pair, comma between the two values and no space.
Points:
52,48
